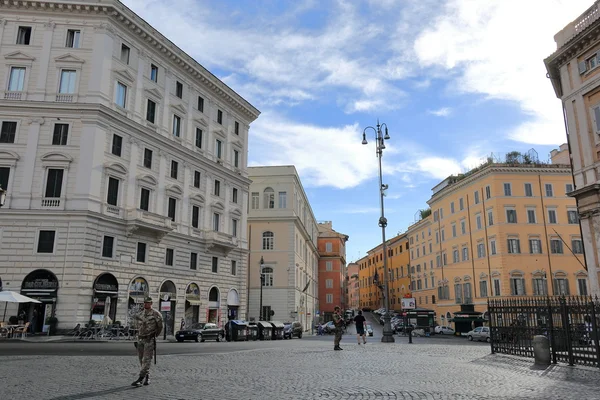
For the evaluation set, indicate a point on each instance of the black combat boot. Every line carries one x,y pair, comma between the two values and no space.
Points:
147,380
138,382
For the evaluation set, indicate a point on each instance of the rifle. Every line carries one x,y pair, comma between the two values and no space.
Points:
154,350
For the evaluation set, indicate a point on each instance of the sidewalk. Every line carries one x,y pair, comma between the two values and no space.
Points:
71,339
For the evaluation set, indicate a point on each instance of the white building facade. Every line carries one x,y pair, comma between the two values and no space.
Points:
124,162
283,232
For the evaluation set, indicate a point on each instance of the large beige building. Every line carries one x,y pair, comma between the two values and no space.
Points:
125,166
575,75
283,232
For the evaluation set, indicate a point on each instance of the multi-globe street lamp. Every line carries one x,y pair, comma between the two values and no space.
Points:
262,283
388,334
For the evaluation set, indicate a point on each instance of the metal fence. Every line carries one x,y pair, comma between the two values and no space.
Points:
570,323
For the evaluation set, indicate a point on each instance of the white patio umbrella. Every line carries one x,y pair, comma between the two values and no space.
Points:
7,296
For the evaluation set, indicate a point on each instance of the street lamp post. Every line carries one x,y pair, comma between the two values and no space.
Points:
262,283
388,334
2,196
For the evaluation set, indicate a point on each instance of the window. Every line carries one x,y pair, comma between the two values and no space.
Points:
46,241
572,216
452,208
549,191
233,267
169,257
568,188
540,286
514,246
561,287
68,79
329,266
197,179
552,216
455,256
16,82
199,138
480,250
121,98
117,145
531,216
216,222
217,189
497,291
234,227
73,38
488,192
220,116
60,135
453,230
328,247
144,199
483,289
141,252
582,286
112,197
556,246
194,261
179,89
478,221
476,197
268,241
8,132
511,216
4,176
492,247
255,200
151,111
200,104
465,253
195,216
267,273
535,246
517,286
153,73
236,158
219,149
176,125
441,216
125,54
490,215
461,204
467,293
24,35
215,264
443,235
54,183
329,283
147,158
528,190
507,189
269,195
329,298
458,293
234,195
577,246
463,227
108,244
282,199
174,168
172,208
236,128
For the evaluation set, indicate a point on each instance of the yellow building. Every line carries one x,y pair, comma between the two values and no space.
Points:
506,228
370,292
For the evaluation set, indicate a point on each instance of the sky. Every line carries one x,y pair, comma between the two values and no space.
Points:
453,80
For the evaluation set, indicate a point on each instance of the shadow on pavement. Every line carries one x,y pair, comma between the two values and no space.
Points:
88,395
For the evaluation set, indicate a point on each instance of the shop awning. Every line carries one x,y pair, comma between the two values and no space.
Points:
194,302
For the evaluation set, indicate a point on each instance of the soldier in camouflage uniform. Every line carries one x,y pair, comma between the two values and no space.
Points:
149,323
338,321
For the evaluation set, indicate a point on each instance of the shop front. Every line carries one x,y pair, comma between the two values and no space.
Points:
467,319
213,313
41,285
104,299
168,302
233,304
138,290
192,304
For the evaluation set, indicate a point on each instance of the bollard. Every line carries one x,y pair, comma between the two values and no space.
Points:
541,350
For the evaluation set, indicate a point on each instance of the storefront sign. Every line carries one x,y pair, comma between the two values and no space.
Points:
408,304
40,284
106,287
165,306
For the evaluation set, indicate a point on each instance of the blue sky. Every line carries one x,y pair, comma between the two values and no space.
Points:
454,80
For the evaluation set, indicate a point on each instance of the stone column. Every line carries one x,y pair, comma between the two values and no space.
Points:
207,202
167,121
138,110
100,87
23,199
132,174
39,91
90,168
162,176
185,201
590,229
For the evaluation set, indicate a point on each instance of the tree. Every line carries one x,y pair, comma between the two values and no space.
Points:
425,213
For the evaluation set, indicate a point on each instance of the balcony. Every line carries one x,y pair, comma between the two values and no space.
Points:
13,95
220,240
51,202
147,222
64,98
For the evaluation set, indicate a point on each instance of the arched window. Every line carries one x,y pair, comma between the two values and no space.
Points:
268,274
269,194
213,295
268,241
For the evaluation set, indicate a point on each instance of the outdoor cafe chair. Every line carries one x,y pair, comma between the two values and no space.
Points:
22,330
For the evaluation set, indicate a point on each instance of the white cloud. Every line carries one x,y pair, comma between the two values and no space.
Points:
497,49
442,112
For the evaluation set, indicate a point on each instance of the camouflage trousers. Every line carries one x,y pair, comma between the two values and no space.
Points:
145,350
338,337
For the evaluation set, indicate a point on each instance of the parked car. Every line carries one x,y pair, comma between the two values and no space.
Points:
444,330
211,332
369,330
191,333
479,333
292,329
328,327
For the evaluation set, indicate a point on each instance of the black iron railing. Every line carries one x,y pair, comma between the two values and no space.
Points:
572,325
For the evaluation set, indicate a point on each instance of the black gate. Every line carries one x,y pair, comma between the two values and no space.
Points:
570,323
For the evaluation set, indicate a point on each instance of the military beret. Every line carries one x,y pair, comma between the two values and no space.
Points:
148,299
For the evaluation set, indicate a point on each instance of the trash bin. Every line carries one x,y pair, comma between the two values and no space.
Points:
277,332
265,330
236,331
252,331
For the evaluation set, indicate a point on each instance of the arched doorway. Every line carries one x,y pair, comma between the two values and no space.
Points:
233,304
192,304
41,285
168,302
138,290
104,300
214,306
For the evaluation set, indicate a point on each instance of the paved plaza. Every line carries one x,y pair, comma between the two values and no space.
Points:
297,369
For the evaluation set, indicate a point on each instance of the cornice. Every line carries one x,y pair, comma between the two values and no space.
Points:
574,46
132,23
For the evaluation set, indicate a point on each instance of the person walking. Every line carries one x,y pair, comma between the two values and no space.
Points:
338,321
150,324
360,322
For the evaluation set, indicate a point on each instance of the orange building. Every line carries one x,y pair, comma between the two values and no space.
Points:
332,269
370,292
352,286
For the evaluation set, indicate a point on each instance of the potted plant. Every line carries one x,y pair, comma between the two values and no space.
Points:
52,322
